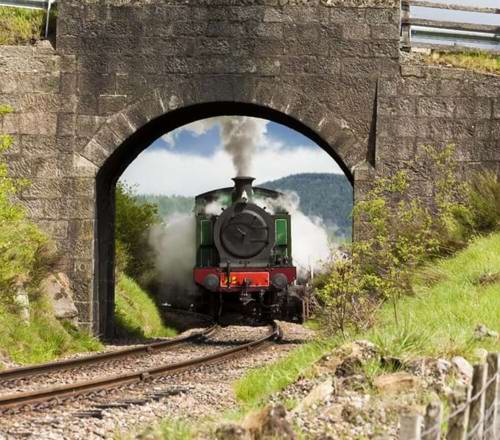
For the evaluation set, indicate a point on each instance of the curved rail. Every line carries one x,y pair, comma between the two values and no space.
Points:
35,370
69,391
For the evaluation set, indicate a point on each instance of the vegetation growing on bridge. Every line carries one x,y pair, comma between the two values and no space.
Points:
22,26
478,61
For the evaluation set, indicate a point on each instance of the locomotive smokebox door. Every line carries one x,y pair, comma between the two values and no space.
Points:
244,232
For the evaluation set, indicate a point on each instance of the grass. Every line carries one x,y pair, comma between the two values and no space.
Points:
478,61
260,383
440,319
43,339
19,26
136,314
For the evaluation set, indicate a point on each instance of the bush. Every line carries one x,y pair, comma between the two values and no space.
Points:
133,222
400,232
483,199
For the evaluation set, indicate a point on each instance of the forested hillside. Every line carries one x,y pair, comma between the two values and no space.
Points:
167,205
328,196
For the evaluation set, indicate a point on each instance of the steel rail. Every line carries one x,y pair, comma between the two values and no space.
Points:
64,392
36,370
450,7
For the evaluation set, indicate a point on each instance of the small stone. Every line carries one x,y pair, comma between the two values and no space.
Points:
395,382
443,366
270,422
318,394
230,431
57,288
481,354
462,366
482,331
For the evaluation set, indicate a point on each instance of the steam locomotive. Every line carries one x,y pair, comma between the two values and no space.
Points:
244,261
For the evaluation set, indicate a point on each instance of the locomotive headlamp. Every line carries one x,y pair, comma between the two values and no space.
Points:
279,281
211,282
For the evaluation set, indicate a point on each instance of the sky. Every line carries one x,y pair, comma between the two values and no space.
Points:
191,160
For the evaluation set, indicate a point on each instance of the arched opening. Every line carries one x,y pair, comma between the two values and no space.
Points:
119,160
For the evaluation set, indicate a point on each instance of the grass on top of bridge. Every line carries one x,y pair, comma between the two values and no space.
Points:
21,26
479,61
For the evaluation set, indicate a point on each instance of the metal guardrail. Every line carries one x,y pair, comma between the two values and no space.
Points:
45,5
435,32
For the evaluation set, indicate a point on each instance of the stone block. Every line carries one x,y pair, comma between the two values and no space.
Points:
347,15
68,84
402,148
82,167
87,125
66,124
397,106
356,31
110,104
30,123
496,108
470,107
385,32
382,16
435,107
56,229
39,146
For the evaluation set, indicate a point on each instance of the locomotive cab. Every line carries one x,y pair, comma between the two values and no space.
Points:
244,257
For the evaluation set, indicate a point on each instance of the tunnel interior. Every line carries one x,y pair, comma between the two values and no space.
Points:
127,152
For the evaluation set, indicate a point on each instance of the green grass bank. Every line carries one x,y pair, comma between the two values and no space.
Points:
43,339
136,314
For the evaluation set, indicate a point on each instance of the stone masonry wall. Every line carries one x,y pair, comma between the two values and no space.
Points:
429,105
122,67
310,60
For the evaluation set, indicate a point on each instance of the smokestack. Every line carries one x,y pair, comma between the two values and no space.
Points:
242,189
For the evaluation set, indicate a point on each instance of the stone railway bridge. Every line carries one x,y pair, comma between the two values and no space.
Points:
124,72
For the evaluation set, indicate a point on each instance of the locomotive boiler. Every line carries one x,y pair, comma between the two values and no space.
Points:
244,264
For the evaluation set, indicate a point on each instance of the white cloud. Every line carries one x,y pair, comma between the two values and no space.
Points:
197,128
167,172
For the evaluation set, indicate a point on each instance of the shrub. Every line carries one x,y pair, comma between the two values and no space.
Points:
133,222
400,232
483,199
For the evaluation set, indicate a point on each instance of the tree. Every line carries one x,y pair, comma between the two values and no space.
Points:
133,222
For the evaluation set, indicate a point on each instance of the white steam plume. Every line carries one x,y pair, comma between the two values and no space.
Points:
241,137
174,243
310,244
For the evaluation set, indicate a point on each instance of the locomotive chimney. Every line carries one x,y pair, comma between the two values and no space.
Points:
243,190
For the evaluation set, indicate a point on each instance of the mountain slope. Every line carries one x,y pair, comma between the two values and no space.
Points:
328,196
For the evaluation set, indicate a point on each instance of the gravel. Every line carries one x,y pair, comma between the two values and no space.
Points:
194,394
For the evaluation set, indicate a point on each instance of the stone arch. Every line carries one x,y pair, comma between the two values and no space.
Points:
127,133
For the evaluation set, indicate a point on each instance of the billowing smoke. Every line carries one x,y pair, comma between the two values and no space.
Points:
240,138
174,243
310,244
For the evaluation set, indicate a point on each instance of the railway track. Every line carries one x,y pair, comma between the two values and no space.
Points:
31,371
62,393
